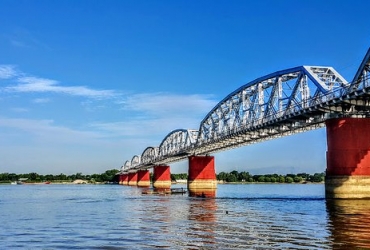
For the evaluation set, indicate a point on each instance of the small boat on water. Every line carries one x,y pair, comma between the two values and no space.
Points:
16,182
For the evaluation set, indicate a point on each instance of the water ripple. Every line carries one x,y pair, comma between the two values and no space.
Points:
119,217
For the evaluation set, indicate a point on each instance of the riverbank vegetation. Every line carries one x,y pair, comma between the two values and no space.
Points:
107,176
110,176
235,176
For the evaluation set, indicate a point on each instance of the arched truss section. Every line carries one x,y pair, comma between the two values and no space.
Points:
126,166
270,97
177,142
362,77
149,155
135,161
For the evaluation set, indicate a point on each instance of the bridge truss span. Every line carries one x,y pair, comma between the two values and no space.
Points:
149,155
176,145
275,105
279,104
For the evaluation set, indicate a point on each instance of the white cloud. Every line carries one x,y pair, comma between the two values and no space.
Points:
164,104
41,100
139,121
37,84
46,130
18,43
20,110
7,71
31,84
39,145
153,116
24,39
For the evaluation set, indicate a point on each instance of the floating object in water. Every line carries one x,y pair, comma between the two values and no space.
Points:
165,191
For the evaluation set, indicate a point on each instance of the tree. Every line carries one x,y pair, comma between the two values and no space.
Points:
243,176
61,177
33,176
49,177
261,178
222,176
297,179
304,176
281,179
231,178
318,177
288,179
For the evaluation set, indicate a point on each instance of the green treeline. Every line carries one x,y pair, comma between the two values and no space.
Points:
110,176
235,176
107,176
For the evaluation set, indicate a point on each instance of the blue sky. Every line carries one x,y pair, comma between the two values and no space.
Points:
86,85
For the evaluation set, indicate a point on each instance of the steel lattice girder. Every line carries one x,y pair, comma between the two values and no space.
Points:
176,141
149,155
279,104
361,79
172,148
268,98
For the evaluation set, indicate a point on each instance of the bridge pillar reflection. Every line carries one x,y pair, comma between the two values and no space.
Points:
348,158
132,179
143,178
161,177
202,176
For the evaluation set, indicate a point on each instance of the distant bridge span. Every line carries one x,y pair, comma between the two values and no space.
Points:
279,104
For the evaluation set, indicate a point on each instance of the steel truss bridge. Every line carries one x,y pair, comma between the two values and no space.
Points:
279,104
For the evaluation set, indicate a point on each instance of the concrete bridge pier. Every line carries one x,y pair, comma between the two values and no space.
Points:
132,179
202,176
125,179
161,177
348,158
143,178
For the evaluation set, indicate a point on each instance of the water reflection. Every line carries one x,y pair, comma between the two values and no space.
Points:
202,218
204,193
349,223
121,217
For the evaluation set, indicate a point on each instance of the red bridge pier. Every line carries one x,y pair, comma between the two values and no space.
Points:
161,177
123,179
132,179
143,178
202,176
348,158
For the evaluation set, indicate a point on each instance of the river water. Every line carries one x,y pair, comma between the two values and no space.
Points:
250,216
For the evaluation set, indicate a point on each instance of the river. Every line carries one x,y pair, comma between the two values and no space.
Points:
249,216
